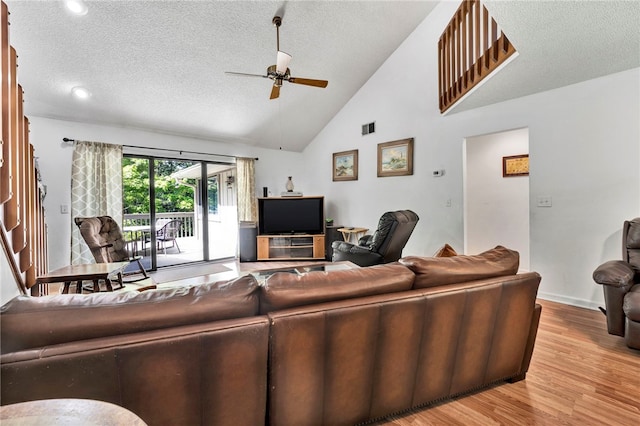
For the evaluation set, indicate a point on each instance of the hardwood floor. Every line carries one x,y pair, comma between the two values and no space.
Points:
579,375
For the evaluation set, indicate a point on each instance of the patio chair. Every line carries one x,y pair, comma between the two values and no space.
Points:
166,232
106,242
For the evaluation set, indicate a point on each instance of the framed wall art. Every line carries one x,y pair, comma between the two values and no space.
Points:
515,165
345,165
395,158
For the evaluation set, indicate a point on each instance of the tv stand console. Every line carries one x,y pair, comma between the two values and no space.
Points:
291,247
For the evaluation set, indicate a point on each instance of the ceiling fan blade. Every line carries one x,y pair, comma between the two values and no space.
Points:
308,82
282,62
242,74
275,92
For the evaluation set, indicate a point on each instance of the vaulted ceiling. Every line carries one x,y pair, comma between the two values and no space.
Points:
161,65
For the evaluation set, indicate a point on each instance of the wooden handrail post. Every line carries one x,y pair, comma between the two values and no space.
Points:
470,48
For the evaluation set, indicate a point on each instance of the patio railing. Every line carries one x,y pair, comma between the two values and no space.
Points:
143,219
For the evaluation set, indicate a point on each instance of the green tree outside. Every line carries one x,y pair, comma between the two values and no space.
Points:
170,196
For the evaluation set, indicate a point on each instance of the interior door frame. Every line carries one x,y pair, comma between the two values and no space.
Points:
512,225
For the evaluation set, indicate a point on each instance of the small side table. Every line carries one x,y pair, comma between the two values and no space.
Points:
356,232
70,411
78,273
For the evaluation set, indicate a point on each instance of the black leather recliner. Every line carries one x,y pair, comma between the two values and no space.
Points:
621,284
384,246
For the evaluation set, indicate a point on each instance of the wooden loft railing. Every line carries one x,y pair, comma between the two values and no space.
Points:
470,48
23,232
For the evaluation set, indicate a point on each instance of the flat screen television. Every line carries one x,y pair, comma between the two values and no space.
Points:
293,215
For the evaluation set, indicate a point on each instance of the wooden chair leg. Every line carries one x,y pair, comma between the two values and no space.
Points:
144,272
65,289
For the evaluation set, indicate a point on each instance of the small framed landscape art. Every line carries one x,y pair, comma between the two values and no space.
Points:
345,165
395,158
515,165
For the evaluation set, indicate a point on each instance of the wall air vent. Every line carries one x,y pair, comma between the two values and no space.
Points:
368,128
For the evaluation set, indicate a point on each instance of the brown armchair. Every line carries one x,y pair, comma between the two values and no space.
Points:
384,246
621,284
104,238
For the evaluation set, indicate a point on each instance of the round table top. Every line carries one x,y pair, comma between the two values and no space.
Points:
69,412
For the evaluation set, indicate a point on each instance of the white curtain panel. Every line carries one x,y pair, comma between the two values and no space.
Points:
247,208
96,189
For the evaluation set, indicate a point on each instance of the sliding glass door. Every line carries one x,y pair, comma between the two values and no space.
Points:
173,212
223,211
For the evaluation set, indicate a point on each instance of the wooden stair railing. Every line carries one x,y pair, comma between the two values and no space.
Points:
23,229
471,47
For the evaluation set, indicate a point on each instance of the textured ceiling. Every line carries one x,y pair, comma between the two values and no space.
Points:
160,64
560,43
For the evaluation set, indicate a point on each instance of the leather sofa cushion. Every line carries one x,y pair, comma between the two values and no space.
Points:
633,244
631,304
285,290
31,322
633,236
433,271
445,251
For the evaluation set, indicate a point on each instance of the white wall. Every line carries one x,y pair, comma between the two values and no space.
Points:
54,158
584,146
496,208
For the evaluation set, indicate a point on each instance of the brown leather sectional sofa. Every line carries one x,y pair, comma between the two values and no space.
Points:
340,347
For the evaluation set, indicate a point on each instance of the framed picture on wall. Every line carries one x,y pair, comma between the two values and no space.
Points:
515,165
395,158
345,165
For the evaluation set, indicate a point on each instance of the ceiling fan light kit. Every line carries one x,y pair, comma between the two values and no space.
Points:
280,72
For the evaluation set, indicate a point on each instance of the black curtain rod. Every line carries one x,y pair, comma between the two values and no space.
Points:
169,149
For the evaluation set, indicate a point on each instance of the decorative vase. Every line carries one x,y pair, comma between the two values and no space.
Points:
289,185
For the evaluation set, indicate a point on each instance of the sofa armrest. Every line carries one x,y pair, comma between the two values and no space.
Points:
346,247
616,273
617,277
361,256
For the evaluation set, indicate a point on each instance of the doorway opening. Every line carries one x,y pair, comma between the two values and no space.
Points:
496,208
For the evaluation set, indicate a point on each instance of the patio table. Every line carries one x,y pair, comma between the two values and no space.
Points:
137,233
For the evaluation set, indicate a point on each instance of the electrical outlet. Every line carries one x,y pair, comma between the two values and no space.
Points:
64,208
544,201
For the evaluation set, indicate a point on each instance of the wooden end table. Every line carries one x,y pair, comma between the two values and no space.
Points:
356,232
78,273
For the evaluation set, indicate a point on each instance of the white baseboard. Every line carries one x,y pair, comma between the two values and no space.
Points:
581,303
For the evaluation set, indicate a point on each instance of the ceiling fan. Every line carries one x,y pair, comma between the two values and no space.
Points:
280,72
